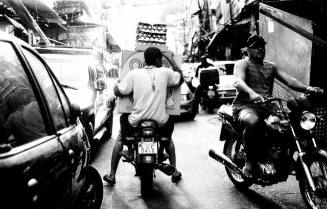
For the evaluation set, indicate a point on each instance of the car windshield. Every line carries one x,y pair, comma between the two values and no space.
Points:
71,70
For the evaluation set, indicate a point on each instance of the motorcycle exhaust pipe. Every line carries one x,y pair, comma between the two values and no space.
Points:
221,158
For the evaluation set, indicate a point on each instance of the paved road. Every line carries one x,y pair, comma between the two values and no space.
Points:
205,184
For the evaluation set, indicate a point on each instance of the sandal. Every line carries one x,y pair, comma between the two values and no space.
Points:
109,179
176,176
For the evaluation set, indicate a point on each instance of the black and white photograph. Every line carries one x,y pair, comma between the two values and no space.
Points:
163,104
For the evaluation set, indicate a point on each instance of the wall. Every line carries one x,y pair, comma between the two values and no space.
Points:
286,47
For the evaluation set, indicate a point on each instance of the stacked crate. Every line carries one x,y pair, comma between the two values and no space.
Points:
151,35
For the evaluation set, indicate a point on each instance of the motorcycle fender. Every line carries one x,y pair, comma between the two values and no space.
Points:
146,159
227,131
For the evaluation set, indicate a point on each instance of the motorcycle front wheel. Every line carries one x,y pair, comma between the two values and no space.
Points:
236,152
318,170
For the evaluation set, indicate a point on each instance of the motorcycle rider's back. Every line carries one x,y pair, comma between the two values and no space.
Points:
148,87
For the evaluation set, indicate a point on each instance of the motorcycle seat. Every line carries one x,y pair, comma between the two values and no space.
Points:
226,110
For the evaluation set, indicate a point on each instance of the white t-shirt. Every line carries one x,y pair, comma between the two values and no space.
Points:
149,87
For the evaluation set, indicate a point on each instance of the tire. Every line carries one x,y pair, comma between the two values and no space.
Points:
146,178
235,151
92,193
318,169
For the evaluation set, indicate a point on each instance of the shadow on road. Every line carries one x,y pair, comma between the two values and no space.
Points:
259,200
168,199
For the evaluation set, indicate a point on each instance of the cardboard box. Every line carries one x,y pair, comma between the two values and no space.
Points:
135,59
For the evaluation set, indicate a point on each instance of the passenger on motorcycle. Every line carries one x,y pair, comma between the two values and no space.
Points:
254,82
148,86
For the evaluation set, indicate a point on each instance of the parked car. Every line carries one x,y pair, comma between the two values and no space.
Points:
44,150
86,82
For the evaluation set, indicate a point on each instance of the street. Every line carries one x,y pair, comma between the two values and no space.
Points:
204,183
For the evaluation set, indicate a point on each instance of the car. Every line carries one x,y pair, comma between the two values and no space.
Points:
86,82
44,150
186,109
226,90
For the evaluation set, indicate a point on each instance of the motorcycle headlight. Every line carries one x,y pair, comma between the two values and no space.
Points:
308,120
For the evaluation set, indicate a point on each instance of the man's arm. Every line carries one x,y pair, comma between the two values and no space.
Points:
290,81
240,84
124,87
294,83
177,69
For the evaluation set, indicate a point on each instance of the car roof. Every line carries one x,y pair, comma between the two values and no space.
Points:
64,50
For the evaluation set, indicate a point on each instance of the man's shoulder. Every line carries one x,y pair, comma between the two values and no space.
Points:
242,62
269,64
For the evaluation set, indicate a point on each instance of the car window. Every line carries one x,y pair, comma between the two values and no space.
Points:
21,120
48,88
67,67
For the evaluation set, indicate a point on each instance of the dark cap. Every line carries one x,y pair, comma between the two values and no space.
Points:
255,40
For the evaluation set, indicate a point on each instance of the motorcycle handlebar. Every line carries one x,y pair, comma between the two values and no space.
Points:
266,100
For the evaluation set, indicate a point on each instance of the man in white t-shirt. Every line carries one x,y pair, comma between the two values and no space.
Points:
148,87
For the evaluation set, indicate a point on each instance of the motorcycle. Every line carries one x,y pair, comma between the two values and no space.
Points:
209,97
148,154
292,149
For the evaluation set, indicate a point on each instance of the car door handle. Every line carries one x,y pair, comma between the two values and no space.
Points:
71,154
32,185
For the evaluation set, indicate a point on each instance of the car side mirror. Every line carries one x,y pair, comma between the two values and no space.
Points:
75,111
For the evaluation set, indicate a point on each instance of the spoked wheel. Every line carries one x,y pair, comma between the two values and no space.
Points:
146,178
92,192
315,199
235,151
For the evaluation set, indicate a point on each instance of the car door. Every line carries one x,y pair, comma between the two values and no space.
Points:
34,170
72,136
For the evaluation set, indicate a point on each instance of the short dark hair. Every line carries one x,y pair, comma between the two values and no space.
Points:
151,54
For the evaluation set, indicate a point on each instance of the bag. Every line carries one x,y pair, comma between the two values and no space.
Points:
209,77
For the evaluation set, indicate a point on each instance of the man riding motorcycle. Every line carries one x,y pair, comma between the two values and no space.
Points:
254,82
148,86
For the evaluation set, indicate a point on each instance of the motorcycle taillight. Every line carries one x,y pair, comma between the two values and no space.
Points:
147,132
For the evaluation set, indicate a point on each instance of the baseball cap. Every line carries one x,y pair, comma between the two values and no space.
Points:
255,40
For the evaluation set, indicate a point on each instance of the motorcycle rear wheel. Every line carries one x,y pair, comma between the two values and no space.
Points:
235,151
318,170
146,178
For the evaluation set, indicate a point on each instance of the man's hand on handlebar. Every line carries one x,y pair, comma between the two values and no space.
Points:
255,97
315,90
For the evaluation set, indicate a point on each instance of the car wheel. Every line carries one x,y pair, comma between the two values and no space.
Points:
92,192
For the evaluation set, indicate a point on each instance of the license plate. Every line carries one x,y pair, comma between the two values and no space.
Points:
147,148
211,93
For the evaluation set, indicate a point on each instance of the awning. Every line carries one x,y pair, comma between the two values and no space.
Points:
220,38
